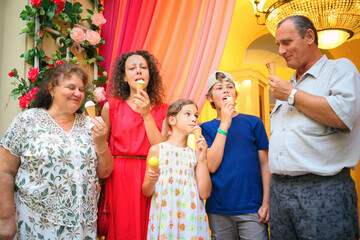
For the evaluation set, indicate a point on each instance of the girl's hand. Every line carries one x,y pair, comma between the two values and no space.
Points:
201,148
264,214
227,112
154,176
99,131
142,102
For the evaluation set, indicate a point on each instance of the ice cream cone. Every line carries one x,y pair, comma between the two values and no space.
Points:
197,132
140,84
90,108
154,164
271,68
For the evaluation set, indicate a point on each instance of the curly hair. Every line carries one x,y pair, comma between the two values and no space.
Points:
121,89
60,73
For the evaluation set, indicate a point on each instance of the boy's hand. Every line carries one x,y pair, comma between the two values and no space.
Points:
227,112
201,148
154,176
264,214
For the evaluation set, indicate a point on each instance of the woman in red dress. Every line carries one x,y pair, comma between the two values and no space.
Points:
136,122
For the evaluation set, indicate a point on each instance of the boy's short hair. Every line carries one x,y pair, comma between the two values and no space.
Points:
219,76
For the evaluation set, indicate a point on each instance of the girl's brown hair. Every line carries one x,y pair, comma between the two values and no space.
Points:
176,107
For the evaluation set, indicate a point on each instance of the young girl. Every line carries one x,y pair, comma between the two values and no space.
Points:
182,181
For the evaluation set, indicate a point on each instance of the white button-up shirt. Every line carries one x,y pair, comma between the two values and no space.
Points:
301,145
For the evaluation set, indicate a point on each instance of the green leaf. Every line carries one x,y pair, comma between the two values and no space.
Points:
22,182
84,186
50,14
72,166
73,189
49,165
46,4
60,231
76,8
27,228
19,224
70,214
99,57
45,192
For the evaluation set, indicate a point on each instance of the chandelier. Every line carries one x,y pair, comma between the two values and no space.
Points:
335,20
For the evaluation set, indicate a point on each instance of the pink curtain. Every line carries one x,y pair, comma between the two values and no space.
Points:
187,37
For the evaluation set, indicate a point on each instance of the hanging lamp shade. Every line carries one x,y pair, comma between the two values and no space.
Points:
335,20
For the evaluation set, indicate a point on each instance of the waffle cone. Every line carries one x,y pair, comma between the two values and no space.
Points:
139,86
91,111
197,133
271,68
154,168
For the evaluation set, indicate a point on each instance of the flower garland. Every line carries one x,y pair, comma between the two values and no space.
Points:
43,19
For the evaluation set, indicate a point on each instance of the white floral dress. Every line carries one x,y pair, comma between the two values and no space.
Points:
176,210
56,183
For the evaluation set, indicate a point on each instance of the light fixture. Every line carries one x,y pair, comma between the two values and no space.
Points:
335,20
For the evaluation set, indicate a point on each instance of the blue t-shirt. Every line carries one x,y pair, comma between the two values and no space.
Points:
237,183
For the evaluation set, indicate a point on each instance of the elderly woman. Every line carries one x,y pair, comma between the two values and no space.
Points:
52,160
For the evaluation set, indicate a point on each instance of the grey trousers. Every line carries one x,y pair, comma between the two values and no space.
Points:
235,227
313,207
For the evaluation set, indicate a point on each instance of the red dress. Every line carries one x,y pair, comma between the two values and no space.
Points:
129,208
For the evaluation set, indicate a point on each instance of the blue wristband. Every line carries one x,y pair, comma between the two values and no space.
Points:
222,132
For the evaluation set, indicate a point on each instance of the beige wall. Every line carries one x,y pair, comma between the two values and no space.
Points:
12,45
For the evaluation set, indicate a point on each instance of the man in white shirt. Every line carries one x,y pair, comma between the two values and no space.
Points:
315,140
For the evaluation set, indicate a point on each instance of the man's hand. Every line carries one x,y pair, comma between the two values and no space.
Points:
280,89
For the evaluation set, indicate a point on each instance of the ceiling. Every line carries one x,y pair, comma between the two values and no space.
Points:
251,44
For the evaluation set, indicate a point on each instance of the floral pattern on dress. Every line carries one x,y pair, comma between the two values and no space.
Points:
56,183
177,211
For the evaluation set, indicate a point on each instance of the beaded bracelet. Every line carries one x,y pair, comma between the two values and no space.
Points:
222,132
107,145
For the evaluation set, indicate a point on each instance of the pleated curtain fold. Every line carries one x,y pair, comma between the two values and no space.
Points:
187,37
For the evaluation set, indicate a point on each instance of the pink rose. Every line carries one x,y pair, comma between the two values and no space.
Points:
11,74
77,34
99,94
92,37
33,74
59,62
98,19
36,3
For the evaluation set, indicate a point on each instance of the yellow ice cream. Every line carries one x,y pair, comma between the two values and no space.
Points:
154,163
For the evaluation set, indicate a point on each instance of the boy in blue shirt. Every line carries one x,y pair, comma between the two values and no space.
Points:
238,207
